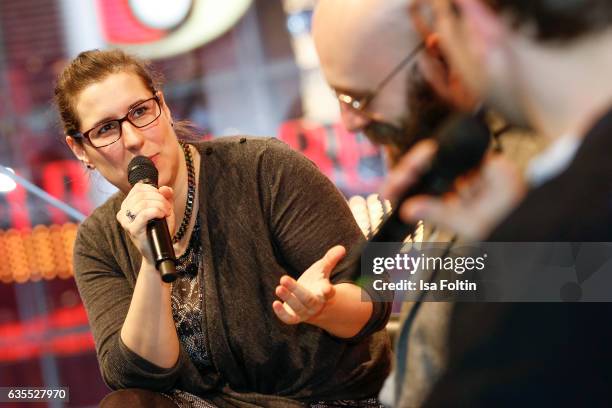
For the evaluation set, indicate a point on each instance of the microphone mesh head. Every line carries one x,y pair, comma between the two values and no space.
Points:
141,168
463,142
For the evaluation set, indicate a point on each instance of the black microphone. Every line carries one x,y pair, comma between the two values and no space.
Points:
141,168
463,141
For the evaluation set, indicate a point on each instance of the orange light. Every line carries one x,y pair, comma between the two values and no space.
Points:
44,252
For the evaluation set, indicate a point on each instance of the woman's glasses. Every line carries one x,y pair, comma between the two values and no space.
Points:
107,133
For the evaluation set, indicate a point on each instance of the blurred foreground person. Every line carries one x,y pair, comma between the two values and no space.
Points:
247,233
544,64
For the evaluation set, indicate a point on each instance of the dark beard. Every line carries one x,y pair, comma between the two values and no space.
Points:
425,112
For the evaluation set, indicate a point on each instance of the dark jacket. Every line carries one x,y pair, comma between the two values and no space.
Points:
541,354
265,211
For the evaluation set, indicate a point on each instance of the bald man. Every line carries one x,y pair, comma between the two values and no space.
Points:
369,55
373,59
397,87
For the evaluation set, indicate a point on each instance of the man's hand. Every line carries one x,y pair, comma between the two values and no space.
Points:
305,299
409,170
480,201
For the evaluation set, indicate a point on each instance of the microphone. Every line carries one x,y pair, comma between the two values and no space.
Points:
141,168
463,141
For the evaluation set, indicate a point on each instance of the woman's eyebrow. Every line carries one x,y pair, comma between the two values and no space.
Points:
111,118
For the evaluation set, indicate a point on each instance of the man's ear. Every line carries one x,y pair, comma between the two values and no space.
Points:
79,151
435,68
432,44
445,81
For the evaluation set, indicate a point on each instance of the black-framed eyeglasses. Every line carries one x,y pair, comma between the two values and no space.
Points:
360,103
107,133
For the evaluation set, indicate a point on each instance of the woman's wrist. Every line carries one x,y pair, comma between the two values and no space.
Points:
148,270
346,313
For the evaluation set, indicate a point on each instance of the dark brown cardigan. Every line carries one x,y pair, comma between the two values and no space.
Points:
265,211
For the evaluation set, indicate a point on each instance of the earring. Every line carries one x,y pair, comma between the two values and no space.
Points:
88,165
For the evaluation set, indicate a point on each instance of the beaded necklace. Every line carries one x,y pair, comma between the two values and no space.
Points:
191,186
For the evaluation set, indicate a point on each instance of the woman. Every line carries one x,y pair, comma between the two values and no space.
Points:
254,318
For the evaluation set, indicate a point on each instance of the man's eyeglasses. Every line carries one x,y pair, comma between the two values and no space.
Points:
107,133
360,103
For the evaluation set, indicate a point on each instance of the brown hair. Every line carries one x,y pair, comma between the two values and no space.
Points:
557,20
88,68
93,66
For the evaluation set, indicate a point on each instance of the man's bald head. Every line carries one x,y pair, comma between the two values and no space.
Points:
360,43
349,33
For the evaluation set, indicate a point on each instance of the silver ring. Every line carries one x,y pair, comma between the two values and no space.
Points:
131,216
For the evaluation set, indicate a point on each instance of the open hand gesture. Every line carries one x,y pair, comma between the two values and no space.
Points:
305,299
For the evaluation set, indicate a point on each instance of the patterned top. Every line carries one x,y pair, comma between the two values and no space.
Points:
187,302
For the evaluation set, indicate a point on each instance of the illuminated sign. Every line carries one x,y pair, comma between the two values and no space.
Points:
161,28
349,160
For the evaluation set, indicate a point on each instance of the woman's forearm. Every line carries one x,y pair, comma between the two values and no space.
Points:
148,329
346,313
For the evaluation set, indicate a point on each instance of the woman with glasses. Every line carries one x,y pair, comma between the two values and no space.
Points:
260,314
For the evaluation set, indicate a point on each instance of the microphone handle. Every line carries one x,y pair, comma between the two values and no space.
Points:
159,238
392,228
161,246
